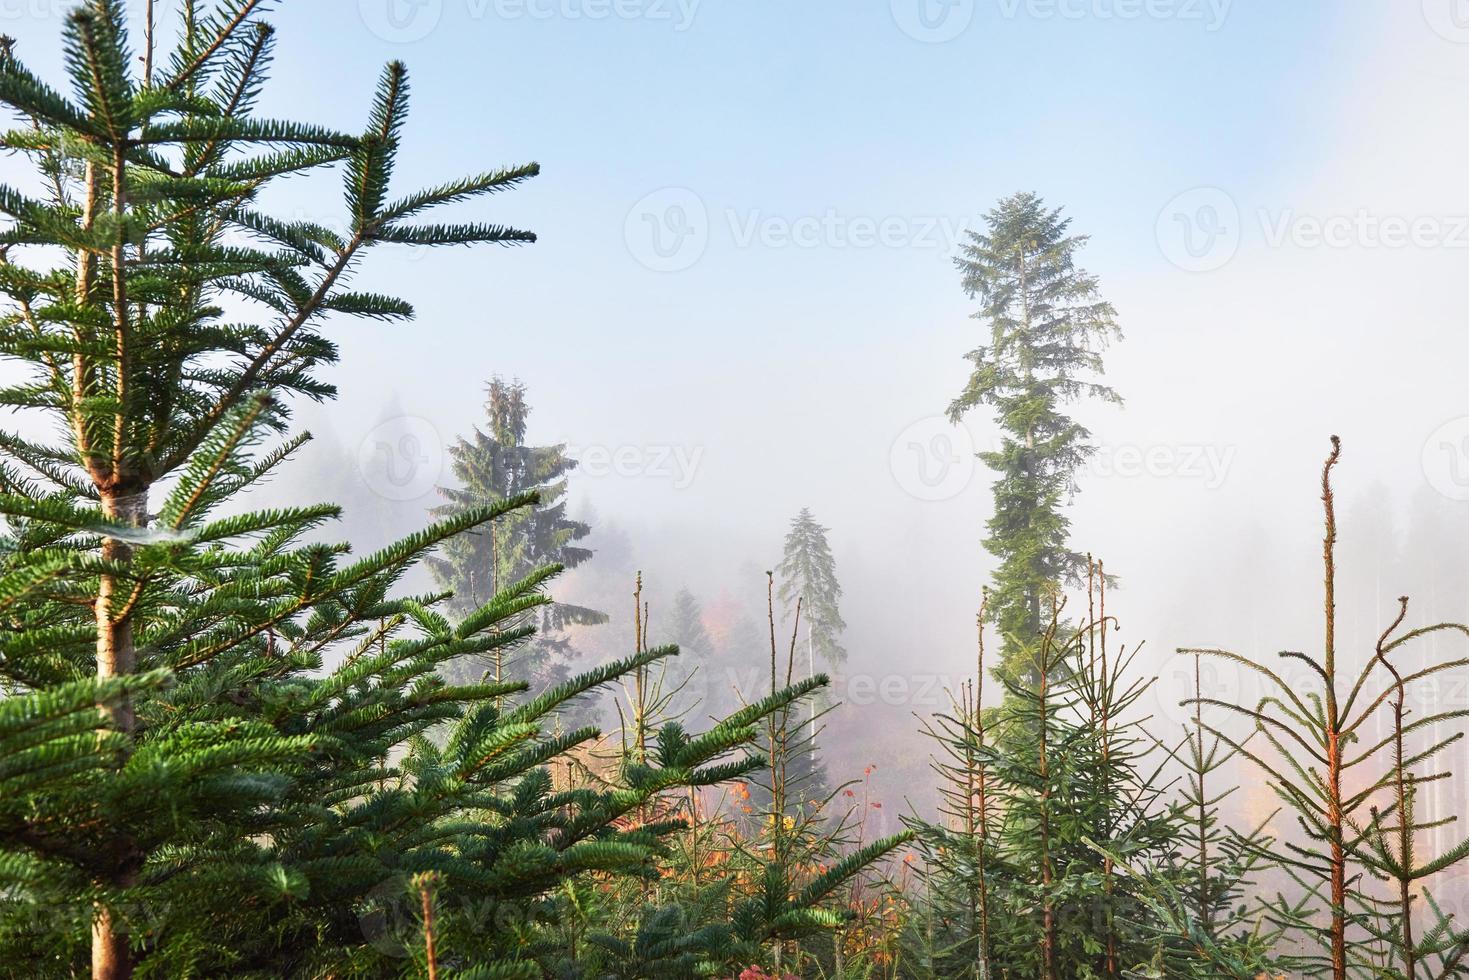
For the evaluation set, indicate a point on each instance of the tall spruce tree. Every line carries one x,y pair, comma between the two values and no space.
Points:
495,464
1048,326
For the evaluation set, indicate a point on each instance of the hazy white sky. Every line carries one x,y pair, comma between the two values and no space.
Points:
743,301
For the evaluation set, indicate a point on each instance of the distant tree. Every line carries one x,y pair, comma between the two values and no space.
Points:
808,575
736,665
741,642
683,625
686,626
808,572
493,465
1047,328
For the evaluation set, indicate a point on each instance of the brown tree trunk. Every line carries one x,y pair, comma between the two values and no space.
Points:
116,657
111,957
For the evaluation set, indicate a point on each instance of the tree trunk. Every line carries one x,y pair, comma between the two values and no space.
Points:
1048,936
116,657
1334,761
111,957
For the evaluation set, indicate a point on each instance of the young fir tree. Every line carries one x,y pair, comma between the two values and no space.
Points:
1047,326
797,854
1366,907
762,901
186,787
1049,801
799,787
496,464
1204,915
960,864
117,272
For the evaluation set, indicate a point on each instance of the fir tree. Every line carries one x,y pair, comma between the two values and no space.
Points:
1047,326
960,860
686,625
688,681
1203,913
151,173
808,578
1043,797
1366,908
496,464
686,926
186,787
798,787
808,572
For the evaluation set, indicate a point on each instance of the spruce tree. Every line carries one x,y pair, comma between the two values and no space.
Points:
688,681
685,626
1047,326
1050,801
1345,755
223,743
117,273
808,578
1204,914
496,464
808,572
